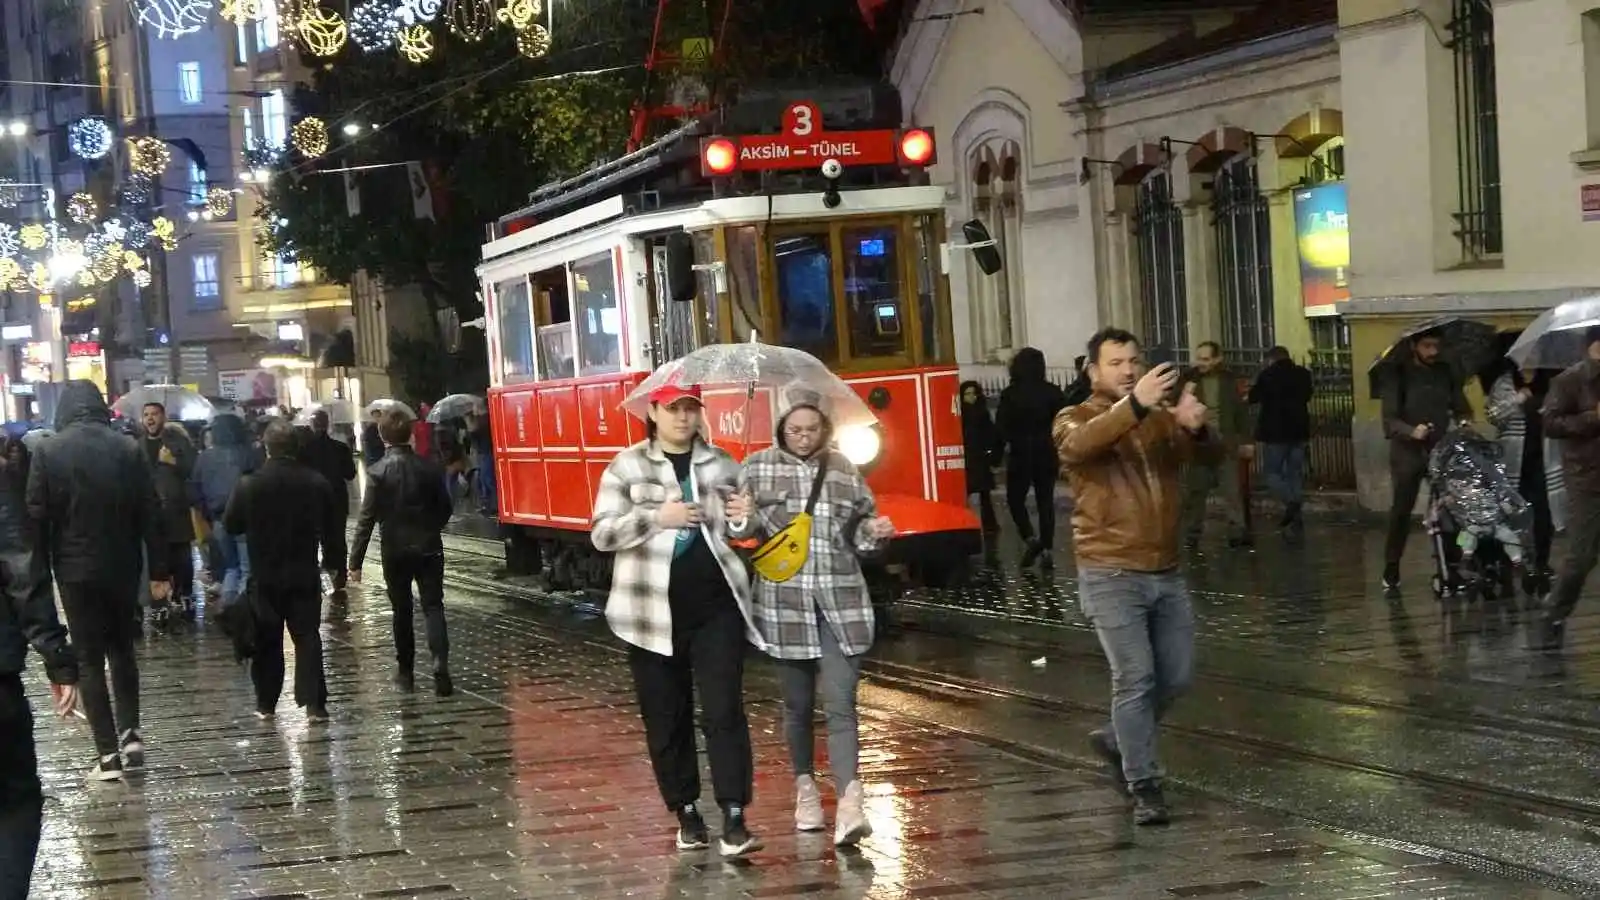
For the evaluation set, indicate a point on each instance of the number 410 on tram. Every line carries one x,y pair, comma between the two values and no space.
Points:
829,241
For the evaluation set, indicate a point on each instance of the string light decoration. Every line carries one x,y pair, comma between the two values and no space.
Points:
219,201
138,235
470,20
10,194
142,278
9,243
416,44
136,191
172,18
89,137
83,302
310,136
164,231
372,26
242,12
290,14
148,156
323,31
81,208
533,42
86,277
416,12
132,261
114,231
34,236
39,278
519,14
10,272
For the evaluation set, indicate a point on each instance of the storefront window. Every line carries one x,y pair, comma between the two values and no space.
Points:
594,281
516,330
806,301
878,319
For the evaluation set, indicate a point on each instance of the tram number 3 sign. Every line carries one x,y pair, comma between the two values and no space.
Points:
805,143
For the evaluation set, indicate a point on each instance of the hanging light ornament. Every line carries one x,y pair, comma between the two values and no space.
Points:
34,236
138,235
533,42
135,191
10,194
9,244
39,277
416,44
148,156
172,18
416,12
323,31
10,271
132,261
81,208
519,14
86,277
89,137
164,231
310,136
242,12
290,14
470,20
372,25
142,278
219,201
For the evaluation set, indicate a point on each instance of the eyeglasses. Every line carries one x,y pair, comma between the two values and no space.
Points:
795,432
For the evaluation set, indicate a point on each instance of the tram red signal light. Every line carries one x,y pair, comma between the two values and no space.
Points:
718,156
916,147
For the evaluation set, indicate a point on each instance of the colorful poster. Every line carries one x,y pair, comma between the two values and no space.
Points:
1322,226
244,385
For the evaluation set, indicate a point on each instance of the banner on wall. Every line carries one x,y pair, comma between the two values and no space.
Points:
1322,229
243,385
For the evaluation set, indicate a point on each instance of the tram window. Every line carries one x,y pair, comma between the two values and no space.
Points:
516,329
872,291
594,281
935,347
552,314
804,264
705,250
744,282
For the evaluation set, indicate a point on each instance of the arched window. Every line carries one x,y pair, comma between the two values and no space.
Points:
1244,258
996,201
1158,233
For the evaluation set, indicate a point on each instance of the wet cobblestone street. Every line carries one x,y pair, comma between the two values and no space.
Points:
532,782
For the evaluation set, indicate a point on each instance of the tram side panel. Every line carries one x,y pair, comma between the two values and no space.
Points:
514,420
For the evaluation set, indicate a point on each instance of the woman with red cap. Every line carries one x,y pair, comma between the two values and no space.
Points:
680,597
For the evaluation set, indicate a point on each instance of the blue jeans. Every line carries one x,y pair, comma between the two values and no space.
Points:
1146,626
235,556
1285,468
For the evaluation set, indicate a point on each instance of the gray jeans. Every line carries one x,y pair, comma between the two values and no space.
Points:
1146,625
839,675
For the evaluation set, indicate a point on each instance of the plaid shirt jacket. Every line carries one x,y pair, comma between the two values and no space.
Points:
785,613
632,490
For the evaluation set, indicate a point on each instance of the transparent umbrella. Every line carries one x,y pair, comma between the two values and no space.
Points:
386,404
791,376
182,404
457,406
1555,340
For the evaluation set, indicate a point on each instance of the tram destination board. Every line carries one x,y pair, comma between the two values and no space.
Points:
805,144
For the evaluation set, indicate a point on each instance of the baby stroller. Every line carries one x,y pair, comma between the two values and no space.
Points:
1478,524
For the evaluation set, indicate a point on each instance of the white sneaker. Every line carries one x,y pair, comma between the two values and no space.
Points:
851,824
132,750
108,769
808,805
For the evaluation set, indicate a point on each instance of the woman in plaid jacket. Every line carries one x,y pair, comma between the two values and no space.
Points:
819,623
680,597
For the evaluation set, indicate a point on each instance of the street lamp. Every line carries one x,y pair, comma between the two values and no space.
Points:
17,128
351,129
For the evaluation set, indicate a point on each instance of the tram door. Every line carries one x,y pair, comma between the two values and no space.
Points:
675,330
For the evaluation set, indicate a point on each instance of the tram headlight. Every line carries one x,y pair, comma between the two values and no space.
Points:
860,444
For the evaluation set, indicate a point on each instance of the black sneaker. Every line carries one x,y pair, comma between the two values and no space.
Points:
404,682
132,750
442,685
1149,804
1032,553
692,831
1241,541
316,714
1047,561
1391,579
1101,742
736,838
109,768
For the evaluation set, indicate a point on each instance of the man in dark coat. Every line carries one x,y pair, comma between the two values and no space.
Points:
1282,393
283,510
1028,408
1421,398
333,460
27,616
371,441
171,456
406,495
90,489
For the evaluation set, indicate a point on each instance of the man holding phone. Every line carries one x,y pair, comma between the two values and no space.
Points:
1421,397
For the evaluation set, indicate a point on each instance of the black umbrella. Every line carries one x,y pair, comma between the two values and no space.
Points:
1467,345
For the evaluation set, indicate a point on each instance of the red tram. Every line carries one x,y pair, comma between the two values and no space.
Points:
817,239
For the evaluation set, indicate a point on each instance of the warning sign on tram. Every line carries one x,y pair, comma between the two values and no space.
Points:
804,144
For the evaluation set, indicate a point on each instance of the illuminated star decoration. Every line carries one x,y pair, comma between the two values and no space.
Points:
323,30
81,208
89,137
148,156
416,12
10,195
533,42
519,14
372,25
172,18
219,201
34,236
310,137
240,12
9,244
416,44
470,20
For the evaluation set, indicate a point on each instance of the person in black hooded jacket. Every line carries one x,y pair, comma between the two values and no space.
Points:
93,493
1028,408
982,445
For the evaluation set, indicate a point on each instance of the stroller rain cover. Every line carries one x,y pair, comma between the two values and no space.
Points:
1468,475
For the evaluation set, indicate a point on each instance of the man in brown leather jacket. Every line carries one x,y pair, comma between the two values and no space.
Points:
1122,450
1572,416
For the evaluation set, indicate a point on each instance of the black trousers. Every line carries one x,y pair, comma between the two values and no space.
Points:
1408,467
180,562
299,610
1583,549
1041,480
335,549
1532,486
708,658
104,623
399,571
21,798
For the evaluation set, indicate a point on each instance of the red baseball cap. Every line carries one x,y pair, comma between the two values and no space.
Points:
669,394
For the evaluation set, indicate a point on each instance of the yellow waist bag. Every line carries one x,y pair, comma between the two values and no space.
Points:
785,553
